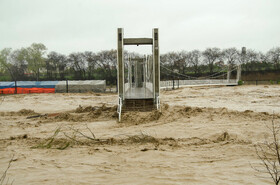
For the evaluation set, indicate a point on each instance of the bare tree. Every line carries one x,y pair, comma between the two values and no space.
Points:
169,59
230,55
51,64
194,59
78,64
56,63
274,57
107,62
211,55
91,60
250,60
173,61
268,153
182,63
62,64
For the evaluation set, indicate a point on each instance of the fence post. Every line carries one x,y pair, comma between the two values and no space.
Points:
66,86
15,87
178,83
173,84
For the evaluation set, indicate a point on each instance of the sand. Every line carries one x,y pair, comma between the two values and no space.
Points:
202,135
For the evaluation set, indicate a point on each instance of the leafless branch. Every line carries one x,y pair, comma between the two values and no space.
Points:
82,134
93,136
269,154
3,177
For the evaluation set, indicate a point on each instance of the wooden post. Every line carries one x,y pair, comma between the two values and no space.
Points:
120,64
156,63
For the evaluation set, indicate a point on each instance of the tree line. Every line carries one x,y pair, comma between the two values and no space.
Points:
35,63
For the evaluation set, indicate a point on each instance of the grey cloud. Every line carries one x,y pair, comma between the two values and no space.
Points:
78,25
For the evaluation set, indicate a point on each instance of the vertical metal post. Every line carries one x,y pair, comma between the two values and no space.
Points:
129,72
136,72
144,72
120,64
156,62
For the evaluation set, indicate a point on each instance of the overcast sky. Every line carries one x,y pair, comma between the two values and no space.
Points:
69,26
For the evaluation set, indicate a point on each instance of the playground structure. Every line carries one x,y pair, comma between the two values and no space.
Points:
138,78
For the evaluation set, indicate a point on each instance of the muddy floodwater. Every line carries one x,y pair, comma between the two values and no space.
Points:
201,135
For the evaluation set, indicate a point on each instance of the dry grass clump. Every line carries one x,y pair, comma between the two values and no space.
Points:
69,136
26,112
22,112
65,137
52,142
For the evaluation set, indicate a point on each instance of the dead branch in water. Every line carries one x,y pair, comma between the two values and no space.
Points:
4,175
82,134
76,136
